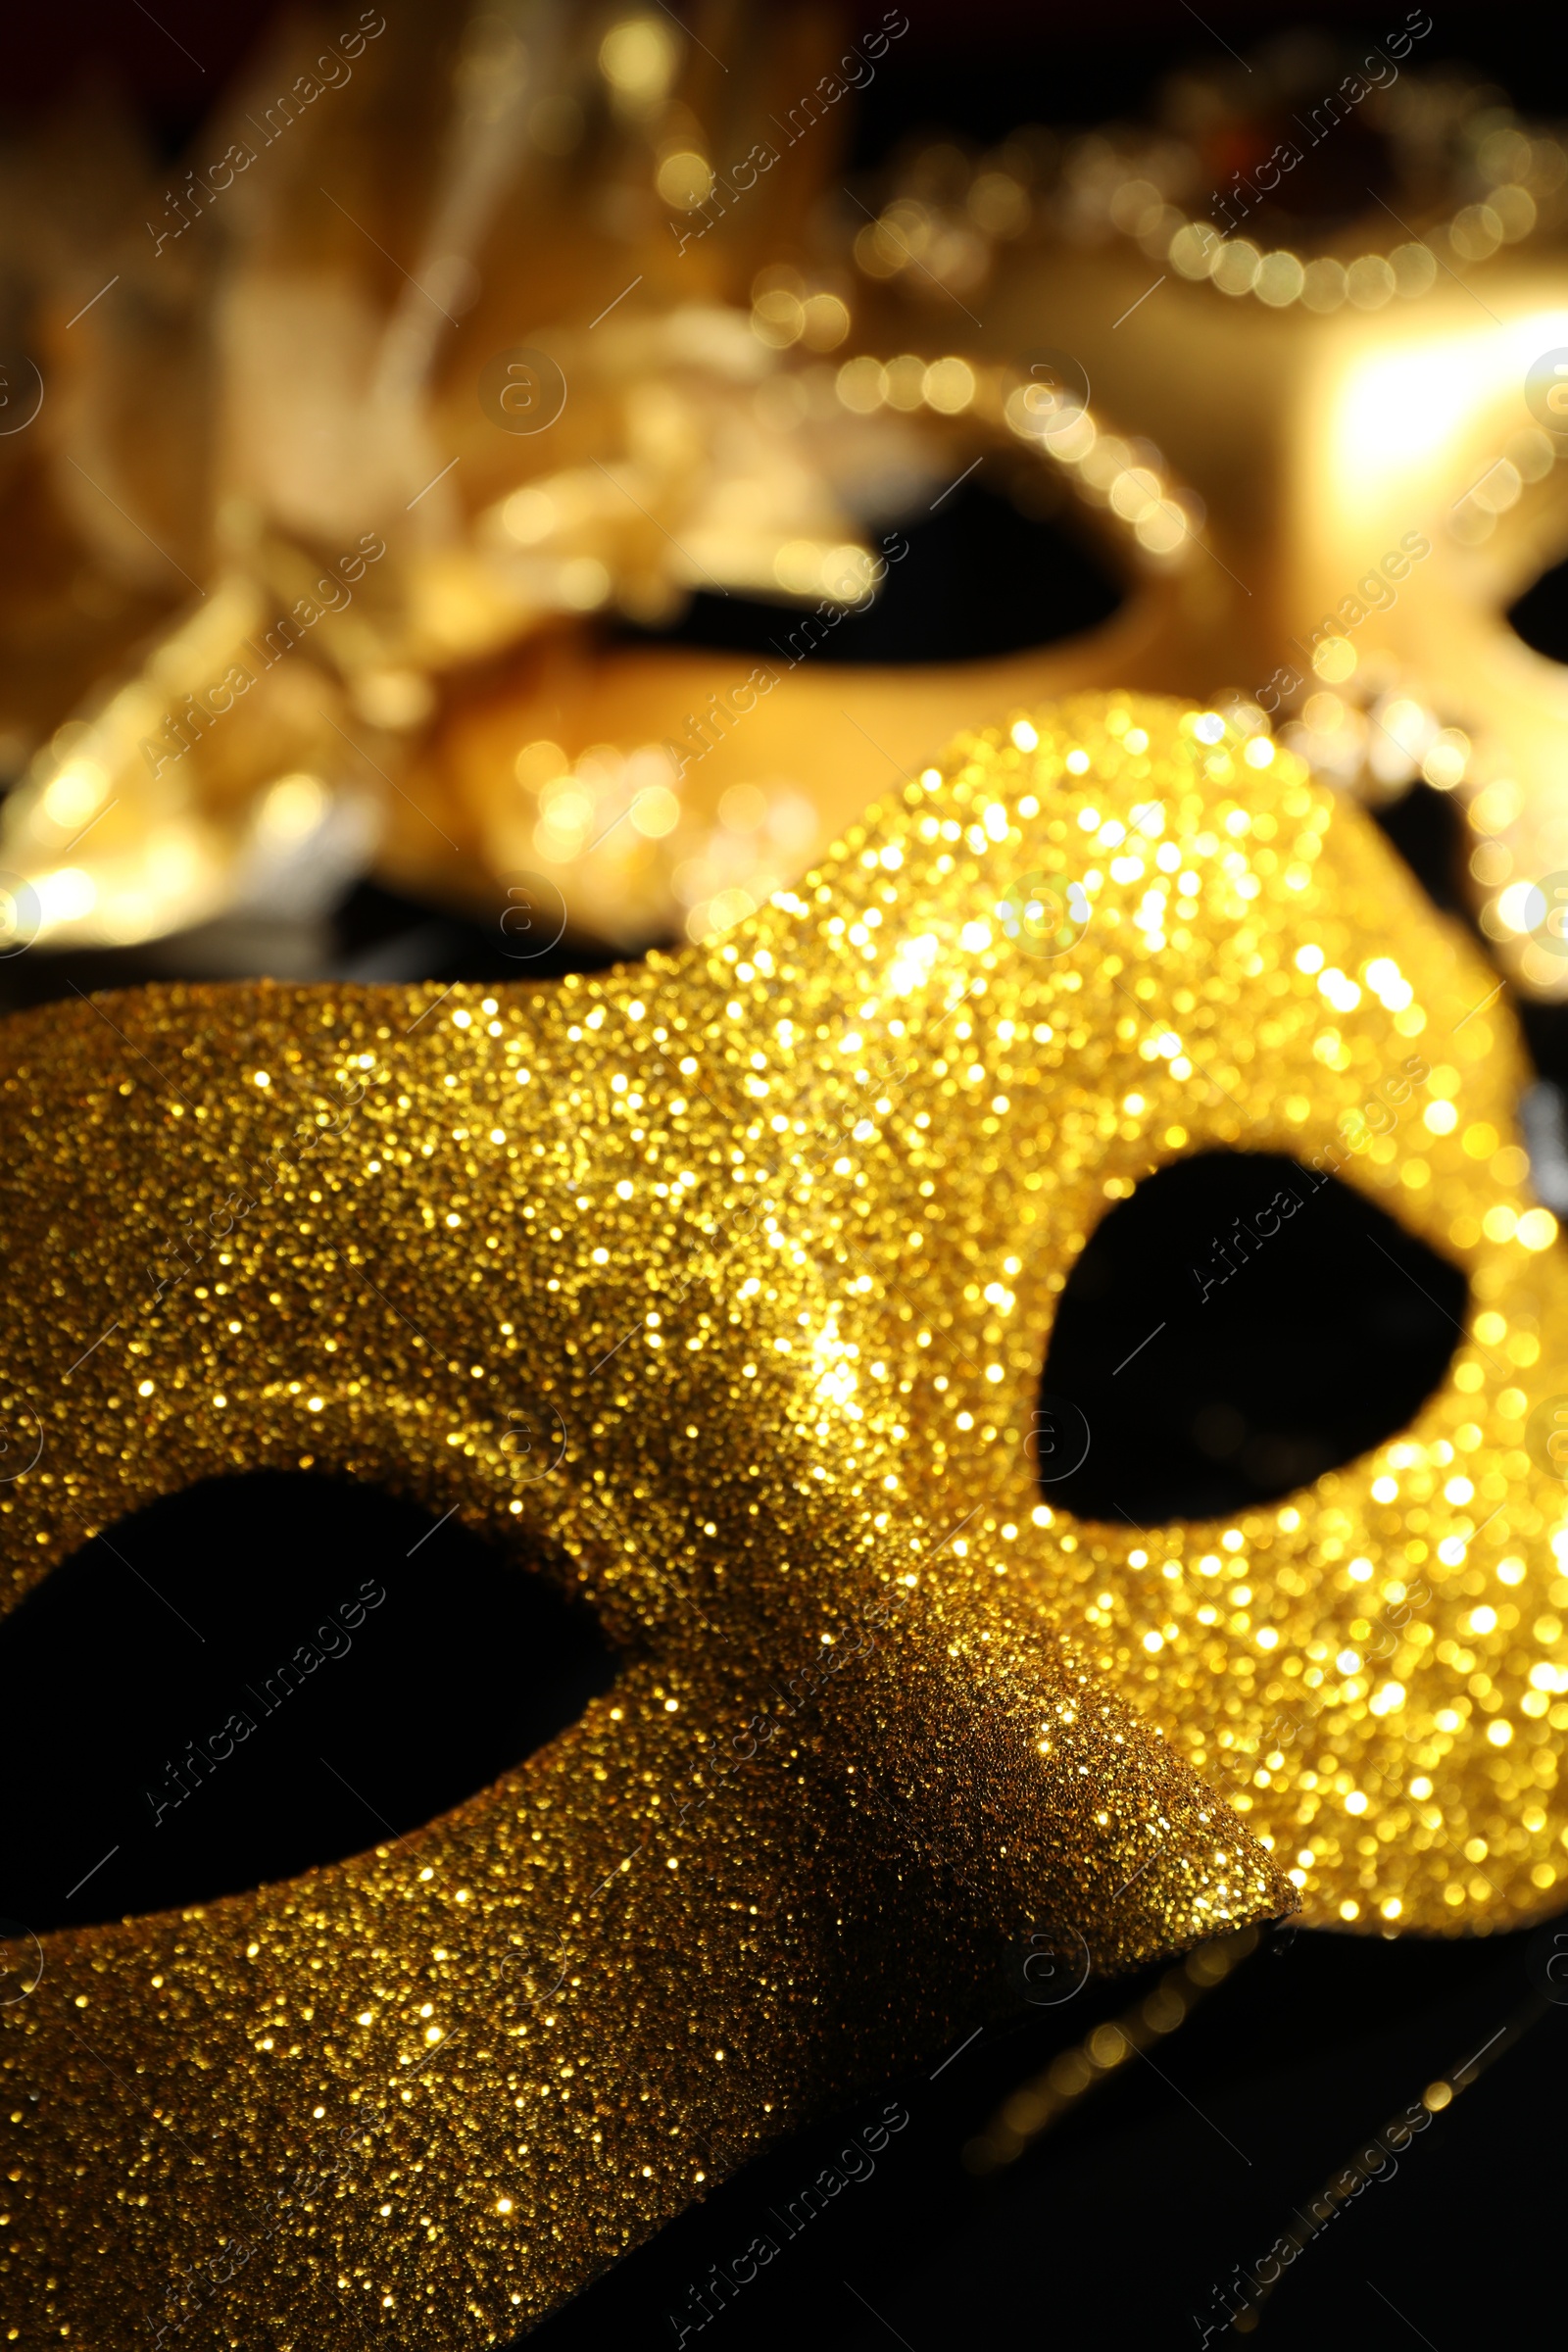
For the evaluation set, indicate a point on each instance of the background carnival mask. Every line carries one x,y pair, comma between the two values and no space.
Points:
1328,287
639,345
817,1187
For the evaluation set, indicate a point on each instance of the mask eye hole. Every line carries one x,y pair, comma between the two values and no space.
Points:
1540,615
981,575
467,1663
1220,1363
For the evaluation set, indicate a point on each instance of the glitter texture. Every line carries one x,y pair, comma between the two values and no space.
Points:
719,1287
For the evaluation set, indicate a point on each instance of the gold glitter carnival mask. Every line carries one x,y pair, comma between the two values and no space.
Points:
770,1237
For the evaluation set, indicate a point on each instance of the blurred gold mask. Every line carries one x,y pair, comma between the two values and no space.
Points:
613,368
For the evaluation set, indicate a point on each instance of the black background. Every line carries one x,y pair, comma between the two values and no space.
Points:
1131,2215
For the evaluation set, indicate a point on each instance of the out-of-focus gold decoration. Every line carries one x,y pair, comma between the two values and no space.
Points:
404,494
745,383
682,413
1419,171
1380,475
340,397
673,866
770,1236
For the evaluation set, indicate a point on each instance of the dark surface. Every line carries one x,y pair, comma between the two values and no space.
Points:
1131,2216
